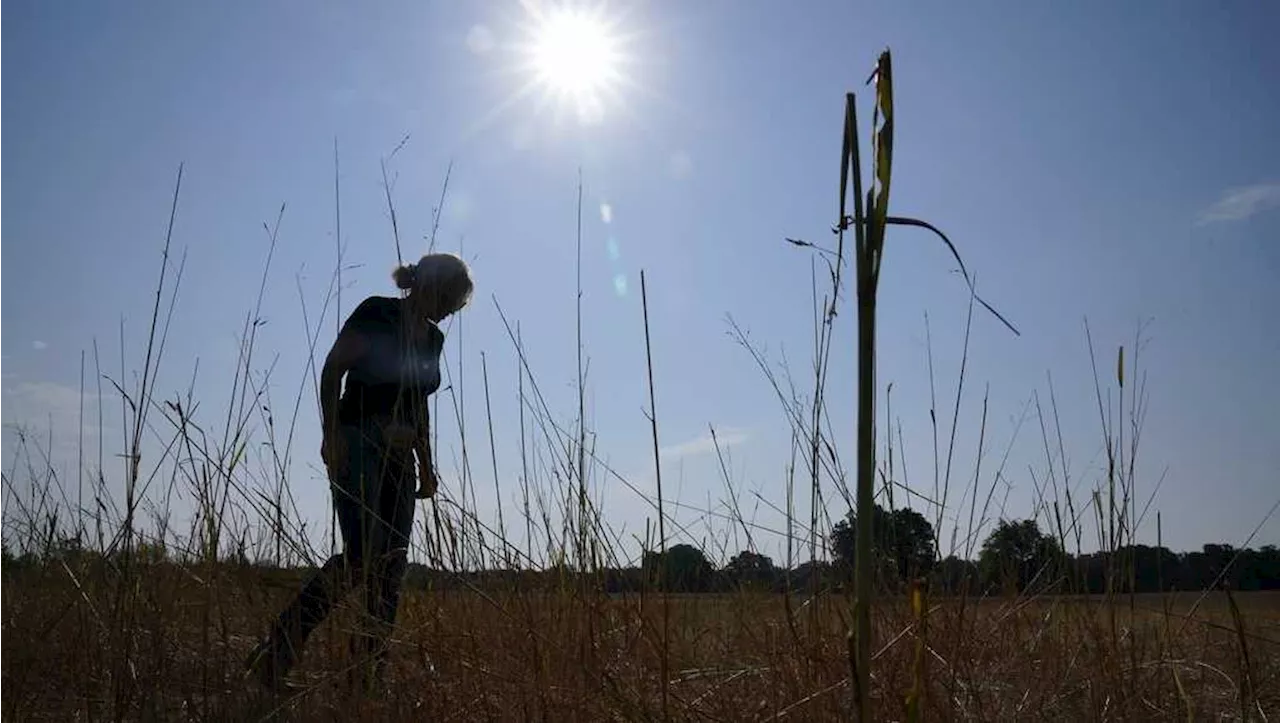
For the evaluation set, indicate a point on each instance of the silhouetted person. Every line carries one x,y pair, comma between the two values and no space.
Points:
389,352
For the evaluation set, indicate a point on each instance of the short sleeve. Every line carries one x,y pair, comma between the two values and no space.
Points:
374,313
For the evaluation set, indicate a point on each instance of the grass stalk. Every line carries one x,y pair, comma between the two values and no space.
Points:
662,524
493,454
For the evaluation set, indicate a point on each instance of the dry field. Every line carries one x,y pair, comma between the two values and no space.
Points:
80,645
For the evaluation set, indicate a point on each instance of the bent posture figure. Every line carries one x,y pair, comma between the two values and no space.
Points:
389,352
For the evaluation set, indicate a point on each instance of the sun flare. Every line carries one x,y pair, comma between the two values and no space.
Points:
575,56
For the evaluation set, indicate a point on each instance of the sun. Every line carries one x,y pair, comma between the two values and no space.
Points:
573,53
575,56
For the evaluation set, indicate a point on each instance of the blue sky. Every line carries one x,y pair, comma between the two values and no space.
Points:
1090,160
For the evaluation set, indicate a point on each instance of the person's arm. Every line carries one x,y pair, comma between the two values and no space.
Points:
345,353
427,481
342,357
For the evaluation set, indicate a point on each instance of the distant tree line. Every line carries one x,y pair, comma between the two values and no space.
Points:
1018,556
1015,557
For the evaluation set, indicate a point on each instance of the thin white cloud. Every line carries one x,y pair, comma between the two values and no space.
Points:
39,345
480,39
39,397
37,402
48,408
727,437
1241,202
45,420
606,213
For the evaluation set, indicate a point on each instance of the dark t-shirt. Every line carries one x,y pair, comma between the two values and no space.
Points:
400,366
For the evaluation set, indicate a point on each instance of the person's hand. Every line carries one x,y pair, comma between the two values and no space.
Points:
334,453
427,481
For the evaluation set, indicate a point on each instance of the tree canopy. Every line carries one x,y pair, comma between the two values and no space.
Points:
683,568
1018,554
902,542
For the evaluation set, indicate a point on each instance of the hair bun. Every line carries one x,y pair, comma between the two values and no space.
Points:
405,277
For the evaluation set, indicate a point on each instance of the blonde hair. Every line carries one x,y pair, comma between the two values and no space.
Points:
445,275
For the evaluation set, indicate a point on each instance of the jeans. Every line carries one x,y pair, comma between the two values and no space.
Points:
374,500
